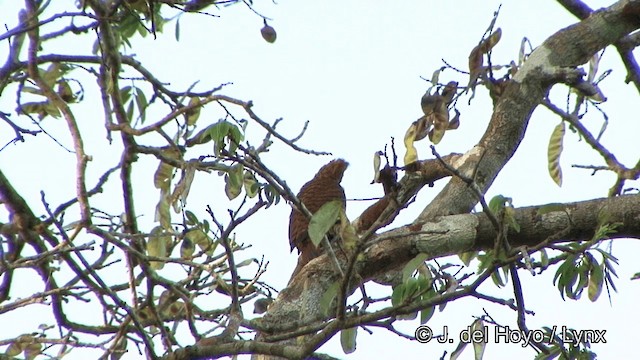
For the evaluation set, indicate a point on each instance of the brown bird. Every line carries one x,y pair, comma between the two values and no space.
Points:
324,187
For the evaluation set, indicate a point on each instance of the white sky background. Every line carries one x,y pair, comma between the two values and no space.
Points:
353,69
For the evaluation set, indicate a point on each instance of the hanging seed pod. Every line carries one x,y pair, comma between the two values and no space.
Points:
268,33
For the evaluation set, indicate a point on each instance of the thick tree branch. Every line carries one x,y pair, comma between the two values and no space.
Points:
566,49
624,46
451,235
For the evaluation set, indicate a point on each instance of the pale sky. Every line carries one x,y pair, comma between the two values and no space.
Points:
353,68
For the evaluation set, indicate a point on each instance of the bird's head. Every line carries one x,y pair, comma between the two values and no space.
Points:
333,170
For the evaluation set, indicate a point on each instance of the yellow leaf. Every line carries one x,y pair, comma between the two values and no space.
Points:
65,92
440,120
553,153
187,249
32,350
14,349
198,237
181,191
163,215
475,65
52,74
412,154
347,233
164,173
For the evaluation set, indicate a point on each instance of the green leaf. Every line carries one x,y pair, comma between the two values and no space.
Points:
327,298
220,131
596,277
412,265
323,220
567,264
246,262
479,347
426,314
157,246
235,137
194,113
251,186
411,288
553,153
192,219
200,238
604,230
177,30
497,278
130,111
397,296
466,257
33,108
458,351
568,281
234,181
272,195
51,109
125,94
141,102
217,133
544,258
510,218
427,292
408,292
497,203
348,339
